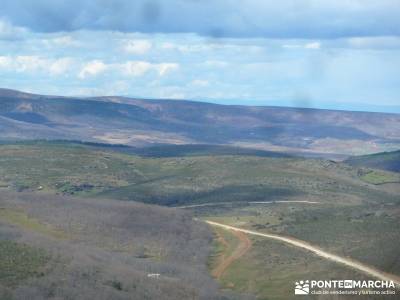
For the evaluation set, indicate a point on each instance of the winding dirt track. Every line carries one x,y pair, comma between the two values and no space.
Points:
318,251
243,246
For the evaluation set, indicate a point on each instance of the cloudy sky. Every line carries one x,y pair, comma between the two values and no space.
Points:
329,54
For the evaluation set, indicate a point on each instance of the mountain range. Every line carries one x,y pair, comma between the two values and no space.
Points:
143,123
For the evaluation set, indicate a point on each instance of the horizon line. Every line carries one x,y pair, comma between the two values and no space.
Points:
333,106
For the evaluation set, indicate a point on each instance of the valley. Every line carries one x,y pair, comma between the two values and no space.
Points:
61,190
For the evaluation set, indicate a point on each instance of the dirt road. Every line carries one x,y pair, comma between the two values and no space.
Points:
245,202
243,246
318,251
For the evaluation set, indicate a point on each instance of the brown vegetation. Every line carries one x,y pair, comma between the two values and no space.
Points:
107,250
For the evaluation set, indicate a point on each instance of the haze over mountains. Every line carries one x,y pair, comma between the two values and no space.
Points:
138,122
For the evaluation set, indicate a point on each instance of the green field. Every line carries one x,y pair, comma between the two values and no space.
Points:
380,177
89,171
22,220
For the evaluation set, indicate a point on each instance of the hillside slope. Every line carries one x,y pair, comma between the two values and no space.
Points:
77,169
70,248
389,161
140,122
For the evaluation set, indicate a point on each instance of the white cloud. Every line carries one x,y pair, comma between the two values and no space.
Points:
60,66
139,68
137,46
29,63
313,45
136,68
5,62
92,68
8,31
165,68
32,63
299,45
65,65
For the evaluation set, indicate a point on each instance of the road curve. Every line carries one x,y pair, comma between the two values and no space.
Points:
318,251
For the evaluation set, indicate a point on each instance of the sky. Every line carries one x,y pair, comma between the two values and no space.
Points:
342,54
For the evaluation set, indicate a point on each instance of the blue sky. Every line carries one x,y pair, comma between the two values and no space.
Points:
325,54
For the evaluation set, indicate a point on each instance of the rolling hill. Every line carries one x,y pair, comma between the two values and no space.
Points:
67,225
389,161
88,170
139,122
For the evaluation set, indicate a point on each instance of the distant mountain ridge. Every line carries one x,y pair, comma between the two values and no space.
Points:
139,122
